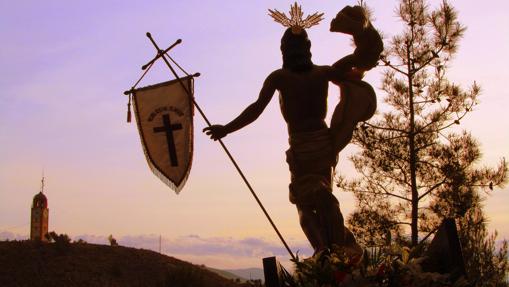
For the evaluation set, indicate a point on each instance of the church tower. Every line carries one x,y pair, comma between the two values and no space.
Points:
39,216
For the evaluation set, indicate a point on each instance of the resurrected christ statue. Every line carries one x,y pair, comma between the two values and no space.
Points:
314,146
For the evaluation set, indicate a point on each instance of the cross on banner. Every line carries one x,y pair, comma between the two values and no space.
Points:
168,128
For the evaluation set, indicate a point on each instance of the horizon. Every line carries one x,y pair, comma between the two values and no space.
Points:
63,113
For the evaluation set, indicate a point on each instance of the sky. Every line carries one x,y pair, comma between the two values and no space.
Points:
66,64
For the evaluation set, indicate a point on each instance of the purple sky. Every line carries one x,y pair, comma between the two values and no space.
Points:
65,67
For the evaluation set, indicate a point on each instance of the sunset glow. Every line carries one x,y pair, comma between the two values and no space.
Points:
62,110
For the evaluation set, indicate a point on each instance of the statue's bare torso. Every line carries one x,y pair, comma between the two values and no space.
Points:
303,98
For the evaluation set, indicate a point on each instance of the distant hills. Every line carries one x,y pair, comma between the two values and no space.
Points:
242,274
27,263
248,273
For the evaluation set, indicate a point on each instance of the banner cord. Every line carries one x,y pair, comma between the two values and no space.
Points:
142,76
174,62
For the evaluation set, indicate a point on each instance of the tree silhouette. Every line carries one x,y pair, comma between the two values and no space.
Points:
486,263
416,166
113,242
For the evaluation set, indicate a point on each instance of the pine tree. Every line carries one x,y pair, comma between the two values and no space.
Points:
415,167
486,263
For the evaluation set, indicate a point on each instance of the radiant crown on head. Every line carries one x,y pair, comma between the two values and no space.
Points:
295,21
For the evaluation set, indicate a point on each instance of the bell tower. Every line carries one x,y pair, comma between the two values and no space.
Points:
39,216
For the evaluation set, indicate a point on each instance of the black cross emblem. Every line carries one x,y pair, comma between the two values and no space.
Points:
168,128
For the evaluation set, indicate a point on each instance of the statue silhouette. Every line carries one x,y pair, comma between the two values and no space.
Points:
314,147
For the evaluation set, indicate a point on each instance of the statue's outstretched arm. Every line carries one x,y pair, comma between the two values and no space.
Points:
249,115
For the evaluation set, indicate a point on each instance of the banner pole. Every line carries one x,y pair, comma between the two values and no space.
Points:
222,145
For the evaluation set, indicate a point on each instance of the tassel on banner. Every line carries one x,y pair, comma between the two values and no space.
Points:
129,110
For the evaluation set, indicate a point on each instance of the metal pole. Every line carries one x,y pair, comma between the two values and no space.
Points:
223,146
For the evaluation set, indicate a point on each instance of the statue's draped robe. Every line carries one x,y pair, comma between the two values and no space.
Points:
310,159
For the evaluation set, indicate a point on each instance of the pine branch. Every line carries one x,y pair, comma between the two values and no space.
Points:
435,56
433,188
427,163
419,148
429,234
402,223
457,121
386,129
386,192
388,64
377,193
422,130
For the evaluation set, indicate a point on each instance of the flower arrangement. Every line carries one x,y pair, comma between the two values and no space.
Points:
379,267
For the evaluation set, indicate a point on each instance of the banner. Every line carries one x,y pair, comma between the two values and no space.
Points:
164,115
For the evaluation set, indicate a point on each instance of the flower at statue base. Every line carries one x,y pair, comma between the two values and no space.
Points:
332,267
381,270
392,266
407,272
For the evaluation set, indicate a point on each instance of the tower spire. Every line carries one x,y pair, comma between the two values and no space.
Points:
42,182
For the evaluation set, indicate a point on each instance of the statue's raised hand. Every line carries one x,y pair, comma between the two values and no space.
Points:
350,20
368,43
216,132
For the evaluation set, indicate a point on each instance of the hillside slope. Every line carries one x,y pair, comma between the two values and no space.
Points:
227,274
248,273
26,263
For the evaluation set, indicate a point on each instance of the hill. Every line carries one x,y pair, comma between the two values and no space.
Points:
242,275
227,274
248,273
27,263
